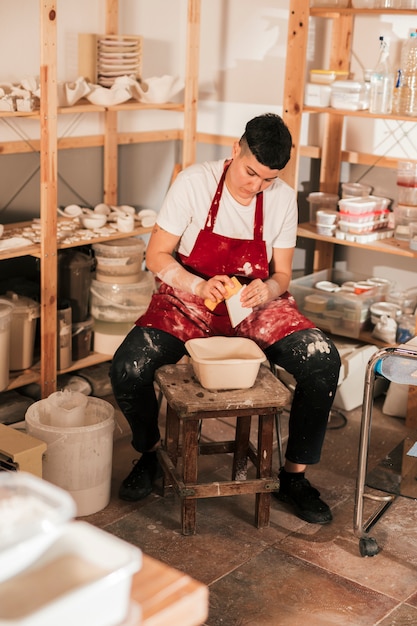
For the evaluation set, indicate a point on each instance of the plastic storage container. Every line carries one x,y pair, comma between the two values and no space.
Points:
120,260
67,408
382,82
81,338
326,77
407,183
350,95
326,217
404,215
6,311
363,204
121,302
350,190
342,312
225,362
22,331
317,95
318,200
78,458
83,578
74,280
329,3
32,512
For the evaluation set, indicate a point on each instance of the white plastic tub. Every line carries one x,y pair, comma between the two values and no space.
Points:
114,302
32,512
78,458
359,204
225,362
319,201
119,257
350,95
83,578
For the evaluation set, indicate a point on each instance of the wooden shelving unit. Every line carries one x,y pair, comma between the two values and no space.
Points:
330,151
45,372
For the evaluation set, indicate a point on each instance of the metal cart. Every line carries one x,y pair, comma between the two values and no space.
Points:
399,365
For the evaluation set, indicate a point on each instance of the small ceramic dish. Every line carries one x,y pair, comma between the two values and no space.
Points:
72,210
93,220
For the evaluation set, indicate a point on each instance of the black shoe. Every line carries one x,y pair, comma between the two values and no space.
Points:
305,499
139,483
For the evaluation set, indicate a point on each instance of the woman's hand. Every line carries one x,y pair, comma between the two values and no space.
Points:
259,292
214,289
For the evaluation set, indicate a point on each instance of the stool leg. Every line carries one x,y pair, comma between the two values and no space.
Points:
189,474
264,467
171,442
240,457
277,417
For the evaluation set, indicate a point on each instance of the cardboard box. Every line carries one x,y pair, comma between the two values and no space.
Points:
21,451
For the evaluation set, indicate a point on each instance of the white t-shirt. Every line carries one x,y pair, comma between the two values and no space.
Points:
188,200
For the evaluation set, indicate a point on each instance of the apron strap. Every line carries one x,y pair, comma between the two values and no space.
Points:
215,203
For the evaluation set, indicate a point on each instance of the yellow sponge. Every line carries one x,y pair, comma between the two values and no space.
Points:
230,292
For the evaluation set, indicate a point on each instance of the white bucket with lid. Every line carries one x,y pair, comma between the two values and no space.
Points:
23,329
78,458
6,308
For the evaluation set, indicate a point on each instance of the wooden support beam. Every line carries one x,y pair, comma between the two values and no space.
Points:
48,195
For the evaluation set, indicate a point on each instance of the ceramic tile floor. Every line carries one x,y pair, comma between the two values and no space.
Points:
291,573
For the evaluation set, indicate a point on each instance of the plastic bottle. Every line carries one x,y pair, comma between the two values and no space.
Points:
382,82
407,90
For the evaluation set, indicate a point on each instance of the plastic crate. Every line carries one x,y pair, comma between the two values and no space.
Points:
338,312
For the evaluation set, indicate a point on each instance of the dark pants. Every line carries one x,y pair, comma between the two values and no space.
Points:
308,355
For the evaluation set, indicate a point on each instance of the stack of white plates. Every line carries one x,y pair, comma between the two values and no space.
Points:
118,55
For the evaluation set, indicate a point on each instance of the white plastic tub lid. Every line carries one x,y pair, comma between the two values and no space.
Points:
23,305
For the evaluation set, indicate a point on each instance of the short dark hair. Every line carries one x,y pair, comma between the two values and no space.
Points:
269,139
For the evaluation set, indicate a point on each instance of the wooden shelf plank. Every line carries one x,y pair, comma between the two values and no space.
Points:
336,12
387,246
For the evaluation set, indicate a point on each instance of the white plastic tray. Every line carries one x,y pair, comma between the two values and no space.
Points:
32,513
83,579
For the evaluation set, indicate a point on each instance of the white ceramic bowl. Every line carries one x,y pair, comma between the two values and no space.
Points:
93,220
102,209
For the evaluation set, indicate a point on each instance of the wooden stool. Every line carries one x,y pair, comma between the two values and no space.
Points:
188,403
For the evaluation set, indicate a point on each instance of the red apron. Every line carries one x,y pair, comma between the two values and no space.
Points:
185,315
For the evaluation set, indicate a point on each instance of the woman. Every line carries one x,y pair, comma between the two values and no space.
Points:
223,219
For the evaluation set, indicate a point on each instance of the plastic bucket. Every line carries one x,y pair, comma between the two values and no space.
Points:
79,458
6,308
121,303
74,280
22,331
82,334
